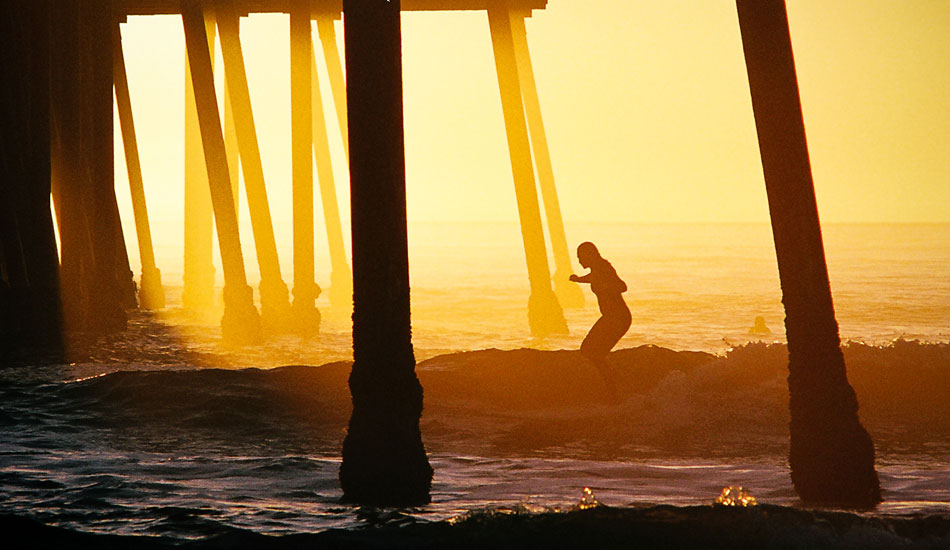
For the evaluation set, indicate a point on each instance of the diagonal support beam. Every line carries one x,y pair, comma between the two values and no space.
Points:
275,305
331,53
241,323
231,148
151,294
569,293
545,315
341,278
198,293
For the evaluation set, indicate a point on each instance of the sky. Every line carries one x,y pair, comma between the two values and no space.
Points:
646,107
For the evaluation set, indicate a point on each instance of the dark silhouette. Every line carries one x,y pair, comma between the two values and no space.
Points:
82,168
30,314
384,461
759,326
615,315
831,455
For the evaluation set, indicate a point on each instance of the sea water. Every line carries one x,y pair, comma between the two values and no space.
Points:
691,286
163,432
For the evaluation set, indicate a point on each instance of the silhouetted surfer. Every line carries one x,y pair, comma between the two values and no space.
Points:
615,316
759,326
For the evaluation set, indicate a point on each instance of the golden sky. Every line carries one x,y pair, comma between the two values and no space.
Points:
645,103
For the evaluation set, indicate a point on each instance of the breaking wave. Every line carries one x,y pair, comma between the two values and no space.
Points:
518,401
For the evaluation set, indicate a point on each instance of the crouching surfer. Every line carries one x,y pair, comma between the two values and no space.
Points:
614,314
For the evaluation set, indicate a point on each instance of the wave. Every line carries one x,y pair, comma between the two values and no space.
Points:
681,403
520,401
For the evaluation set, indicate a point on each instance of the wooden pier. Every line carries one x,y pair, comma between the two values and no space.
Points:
60,62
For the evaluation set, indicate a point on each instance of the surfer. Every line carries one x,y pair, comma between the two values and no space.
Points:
759,327
615,315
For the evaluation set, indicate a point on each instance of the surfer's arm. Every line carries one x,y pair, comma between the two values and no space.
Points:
580,278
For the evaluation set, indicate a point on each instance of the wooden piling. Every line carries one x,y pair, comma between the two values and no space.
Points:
569,294
306,289
106,308
275,305
198,292
241,322
384,460
331,54
151,294
545,315
831,456
341,278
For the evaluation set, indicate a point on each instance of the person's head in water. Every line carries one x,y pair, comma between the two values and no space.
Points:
587,254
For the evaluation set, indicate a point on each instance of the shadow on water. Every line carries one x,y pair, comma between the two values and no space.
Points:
665,527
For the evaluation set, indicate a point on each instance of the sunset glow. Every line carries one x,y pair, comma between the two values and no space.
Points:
475,273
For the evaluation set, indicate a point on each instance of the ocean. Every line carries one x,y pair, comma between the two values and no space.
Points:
161,432
691,286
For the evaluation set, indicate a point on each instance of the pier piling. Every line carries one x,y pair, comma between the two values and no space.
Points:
384,460
241,322
275,304
831,456
545,316
306,289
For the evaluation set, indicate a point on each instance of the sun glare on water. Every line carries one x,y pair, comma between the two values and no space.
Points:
588,500
735,496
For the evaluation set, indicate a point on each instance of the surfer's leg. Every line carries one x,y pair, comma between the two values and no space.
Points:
611,380
616,327
595,347
597,342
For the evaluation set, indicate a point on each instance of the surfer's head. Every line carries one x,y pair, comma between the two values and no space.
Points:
587,254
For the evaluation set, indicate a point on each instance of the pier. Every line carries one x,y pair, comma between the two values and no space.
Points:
61,63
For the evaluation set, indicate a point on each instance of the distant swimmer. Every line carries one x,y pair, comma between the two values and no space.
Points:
759,327
615,315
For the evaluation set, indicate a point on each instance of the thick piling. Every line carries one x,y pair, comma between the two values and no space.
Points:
832,455
110,294
384,461
30,315
69,179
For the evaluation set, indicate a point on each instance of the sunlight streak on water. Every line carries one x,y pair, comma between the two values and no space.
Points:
735,496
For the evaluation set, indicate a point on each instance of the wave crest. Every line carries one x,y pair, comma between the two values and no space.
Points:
524,401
